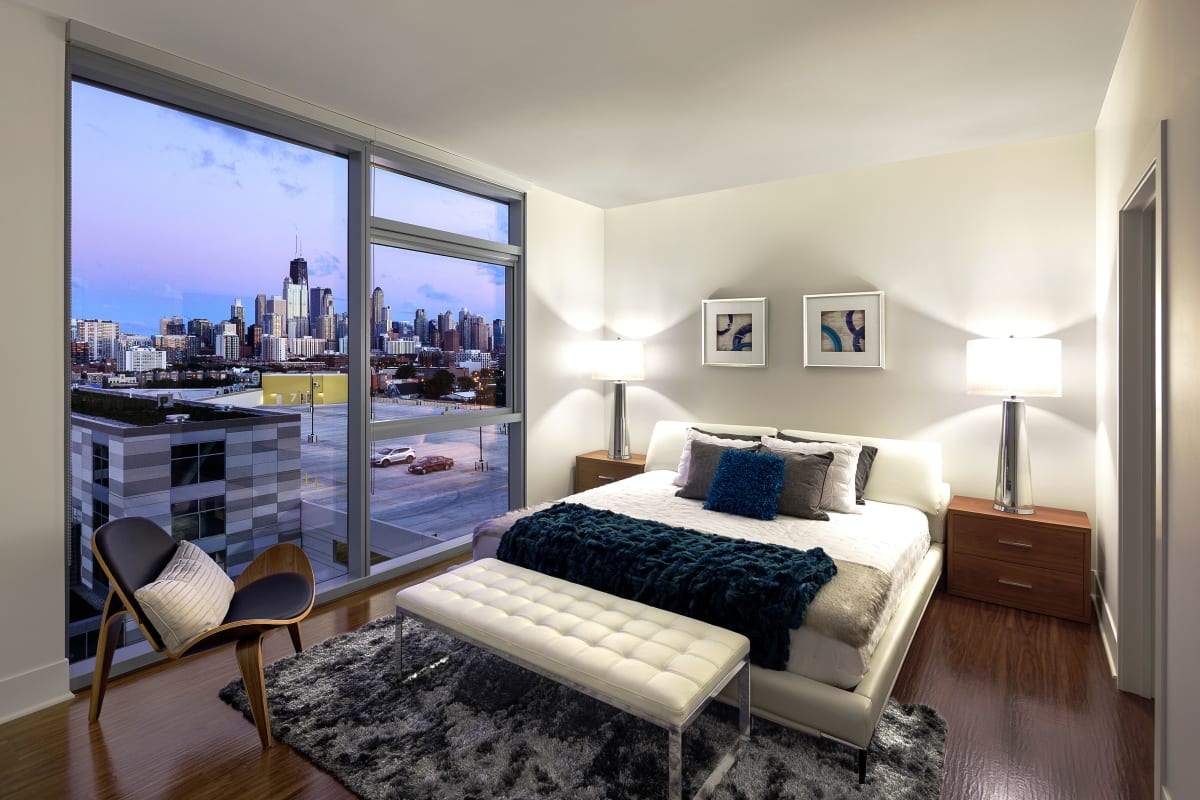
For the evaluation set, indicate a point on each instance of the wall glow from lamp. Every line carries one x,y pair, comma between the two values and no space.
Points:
619,361
1011,367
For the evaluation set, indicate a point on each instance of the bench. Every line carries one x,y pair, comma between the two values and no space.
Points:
654,664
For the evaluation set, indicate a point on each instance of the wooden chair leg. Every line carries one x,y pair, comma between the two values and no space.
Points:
297,642
249,657
110,629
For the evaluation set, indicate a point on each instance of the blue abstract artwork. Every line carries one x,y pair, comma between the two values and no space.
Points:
735,332
843,331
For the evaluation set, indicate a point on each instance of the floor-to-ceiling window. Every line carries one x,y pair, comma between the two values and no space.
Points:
258,356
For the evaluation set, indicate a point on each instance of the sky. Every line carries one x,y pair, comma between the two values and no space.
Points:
175,214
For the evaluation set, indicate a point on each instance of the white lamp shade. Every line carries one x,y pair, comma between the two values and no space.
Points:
618,360
1015,367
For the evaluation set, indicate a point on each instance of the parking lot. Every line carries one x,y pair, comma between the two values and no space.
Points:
408,511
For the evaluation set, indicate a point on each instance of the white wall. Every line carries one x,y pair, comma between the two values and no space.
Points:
1158,77
565,302
984,243
33,669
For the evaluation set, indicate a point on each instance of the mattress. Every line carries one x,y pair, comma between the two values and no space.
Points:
892,538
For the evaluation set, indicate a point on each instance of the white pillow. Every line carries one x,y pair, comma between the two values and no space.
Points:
838,493
693,435
191,595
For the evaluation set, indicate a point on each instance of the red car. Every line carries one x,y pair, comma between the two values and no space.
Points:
430,464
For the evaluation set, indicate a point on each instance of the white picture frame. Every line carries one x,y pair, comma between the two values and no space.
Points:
733,332
845,329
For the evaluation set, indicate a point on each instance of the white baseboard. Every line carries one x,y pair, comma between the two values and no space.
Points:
34,690
1104,618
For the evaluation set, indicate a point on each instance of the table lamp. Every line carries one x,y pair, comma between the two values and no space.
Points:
618,361
1011,367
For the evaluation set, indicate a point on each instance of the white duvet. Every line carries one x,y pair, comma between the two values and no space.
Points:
892,538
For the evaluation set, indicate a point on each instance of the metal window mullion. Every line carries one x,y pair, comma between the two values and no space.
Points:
439,423
358,490
432,240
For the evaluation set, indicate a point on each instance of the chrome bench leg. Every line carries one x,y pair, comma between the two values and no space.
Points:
675,764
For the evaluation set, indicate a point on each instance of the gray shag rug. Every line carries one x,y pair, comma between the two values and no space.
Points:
464,724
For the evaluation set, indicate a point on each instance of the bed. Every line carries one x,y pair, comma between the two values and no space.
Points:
832,686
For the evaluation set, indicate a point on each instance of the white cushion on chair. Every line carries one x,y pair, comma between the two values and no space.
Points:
190,596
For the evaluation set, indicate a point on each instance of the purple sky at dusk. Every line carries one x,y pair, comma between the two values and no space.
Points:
174,214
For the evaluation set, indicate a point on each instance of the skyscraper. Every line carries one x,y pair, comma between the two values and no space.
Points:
296,296
260,308
421,326
299,271
237,315
376,316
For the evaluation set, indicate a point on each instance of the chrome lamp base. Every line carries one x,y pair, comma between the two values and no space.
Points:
619,446
1014,486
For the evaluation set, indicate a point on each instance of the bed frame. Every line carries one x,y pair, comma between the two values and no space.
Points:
905,472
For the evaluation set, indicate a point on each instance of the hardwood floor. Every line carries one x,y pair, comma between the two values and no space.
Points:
1031,709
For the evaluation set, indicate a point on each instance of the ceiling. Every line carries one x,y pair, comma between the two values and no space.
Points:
615,102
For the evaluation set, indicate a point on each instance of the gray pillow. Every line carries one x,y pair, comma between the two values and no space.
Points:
803,480
703,466
866,457
745,437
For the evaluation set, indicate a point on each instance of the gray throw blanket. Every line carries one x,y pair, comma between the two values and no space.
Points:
847,609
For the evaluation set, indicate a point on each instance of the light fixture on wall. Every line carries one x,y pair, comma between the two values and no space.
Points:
618,361
1011,367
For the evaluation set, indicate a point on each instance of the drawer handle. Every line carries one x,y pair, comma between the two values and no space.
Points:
606,477
1022,545
1017,584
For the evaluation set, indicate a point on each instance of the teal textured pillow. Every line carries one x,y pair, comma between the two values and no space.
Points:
747,484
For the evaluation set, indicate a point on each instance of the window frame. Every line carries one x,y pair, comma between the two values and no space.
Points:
100,59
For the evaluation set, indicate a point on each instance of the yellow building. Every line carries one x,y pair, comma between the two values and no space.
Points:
293,389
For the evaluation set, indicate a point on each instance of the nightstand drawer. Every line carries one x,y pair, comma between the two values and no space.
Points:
1031,588
590,474
1010,540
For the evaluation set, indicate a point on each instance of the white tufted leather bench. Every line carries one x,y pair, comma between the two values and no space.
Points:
655,664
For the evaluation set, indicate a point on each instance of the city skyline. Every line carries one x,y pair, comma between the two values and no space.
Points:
177,215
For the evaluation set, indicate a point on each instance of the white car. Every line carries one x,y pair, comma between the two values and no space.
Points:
393,455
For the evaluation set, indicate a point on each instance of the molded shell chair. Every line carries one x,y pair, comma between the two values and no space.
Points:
276,590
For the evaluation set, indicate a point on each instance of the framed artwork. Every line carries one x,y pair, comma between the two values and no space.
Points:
843,330
734,332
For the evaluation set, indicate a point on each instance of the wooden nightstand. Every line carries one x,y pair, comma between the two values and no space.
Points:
1039,562
596,468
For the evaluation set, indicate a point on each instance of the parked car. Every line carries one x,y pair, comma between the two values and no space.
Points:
393,455
430,464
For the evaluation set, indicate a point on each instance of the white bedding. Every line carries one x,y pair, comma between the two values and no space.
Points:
891,538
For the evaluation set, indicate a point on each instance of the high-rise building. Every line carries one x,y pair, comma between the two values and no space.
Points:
202,329
421,326
144,359
314,308
296,296
101,336
377,303
326,306
445,325
298,271
260,308
254,336
172,326
497,334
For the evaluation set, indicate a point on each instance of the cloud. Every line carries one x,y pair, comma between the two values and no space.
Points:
427,291
495,274
292,189
327,265
169,292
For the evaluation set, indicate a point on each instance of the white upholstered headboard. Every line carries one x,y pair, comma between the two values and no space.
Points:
906,472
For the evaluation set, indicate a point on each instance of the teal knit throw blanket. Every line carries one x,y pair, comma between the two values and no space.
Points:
759,590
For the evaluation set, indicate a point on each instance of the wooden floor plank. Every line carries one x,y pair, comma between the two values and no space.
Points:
1031,708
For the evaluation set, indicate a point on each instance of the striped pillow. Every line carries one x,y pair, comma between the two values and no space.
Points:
191,595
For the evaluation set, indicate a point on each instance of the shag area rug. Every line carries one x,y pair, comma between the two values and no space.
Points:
463,724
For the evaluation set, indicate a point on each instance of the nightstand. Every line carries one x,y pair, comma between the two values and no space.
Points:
1039,562
596,468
